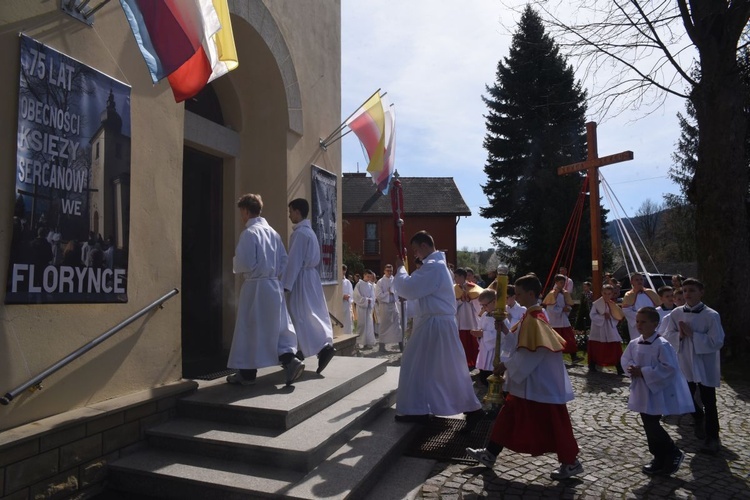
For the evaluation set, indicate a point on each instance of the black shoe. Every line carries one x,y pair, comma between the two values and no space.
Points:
672,465
700,430
417,419
655,467
324,357
592,367
472,419
711,445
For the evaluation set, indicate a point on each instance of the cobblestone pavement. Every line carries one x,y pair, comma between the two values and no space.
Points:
613,450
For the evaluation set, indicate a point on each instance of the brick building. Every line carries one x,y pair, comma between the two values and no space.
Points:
430,203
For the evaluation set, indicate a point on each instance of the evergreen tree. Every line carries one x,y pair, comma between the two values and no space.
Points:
535,123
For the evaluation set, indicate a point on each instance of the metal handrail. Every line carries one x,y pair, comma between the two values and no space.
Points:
36,381
335,320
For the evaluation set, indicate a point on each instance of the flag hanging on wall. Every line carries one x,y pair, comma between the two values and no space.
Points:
374,124
189,42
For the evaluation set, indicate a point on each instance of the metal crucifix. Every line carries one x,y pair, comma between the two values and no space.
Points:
592,165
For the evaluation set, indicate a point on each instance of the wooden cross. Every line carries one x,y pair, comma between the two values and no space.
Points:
592,165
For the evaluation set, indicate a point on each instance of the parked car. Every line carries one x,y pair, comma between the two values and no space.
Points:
659,280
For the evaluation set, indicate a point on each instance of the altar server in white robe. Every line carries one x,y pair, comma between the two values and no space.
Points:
657,388
347,291
263,333
364,297
307,304
388,314
433,379
695,331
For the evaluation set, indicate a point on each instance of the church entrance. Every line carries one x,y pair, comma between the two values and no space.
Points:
201,290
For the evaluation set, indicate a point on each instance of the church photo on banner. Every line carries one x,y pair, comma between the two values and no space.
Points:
323,220
72,192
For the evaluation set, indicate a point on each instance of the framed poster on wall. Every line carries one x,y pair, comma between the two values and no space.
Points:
323,218
71,220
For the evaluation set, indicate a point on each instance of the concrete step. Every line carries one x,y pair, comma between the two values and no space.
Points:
348,473
270,404
300,448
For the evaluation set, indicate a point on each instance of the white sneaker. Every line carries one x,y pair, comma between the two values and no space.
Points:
567,470
482,456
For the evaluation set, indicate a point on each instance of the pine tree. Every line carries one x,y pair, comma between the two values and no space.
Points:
535,123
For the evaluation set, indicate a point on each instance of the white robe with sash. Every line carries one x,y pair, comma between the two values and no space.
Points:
433,377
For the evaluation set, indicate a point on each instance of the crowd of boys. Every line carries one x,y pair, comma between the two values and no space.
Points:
672,357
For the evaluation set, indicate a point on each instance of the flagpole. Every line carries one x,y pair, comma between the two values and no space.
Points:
335,140
324,142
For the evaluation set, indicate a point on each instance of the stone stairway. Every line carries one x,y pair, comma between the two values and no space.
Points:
327,436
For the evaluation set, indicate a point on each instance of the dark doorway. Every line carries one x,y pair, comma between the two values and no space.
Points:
201,264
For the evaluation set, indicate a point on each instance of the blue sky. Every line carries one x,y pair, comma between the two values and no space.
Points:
434,60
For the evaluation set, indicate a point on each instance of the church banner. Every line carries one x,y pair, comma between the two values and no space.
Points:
323,220
71,220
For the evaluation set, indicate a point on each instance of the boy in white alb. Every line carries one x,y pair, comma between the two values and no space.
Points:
487,335
364,297
696,333
657,388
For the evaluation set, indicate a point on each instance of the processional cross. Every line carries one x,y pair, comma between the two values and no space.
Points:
592,165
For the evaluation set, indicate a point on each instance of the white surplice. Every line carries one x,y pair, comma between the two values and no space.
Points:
263,330
698,355
364,297
433,377
486,355
662,390
389,319
307,304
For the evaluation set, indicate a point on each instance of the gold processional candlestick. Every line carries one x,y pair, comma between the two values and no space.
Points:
495,389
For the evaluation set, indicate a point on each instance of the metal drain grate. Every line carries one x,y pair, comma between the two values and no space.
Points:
440,439
214,375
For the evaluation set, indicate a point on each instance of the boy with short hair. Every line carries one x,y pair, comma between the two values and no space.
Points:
666,294
696,333
534,419
558,304
657,388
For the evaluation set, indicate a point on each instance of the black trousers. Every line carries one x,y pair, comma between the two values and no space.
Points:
705,409
660,444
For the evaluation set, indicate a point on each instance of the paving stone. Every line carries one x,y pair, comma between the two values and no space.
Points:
613,450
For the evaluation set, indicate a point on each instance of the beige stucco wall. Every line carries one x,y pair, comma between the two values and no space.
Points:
280,105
